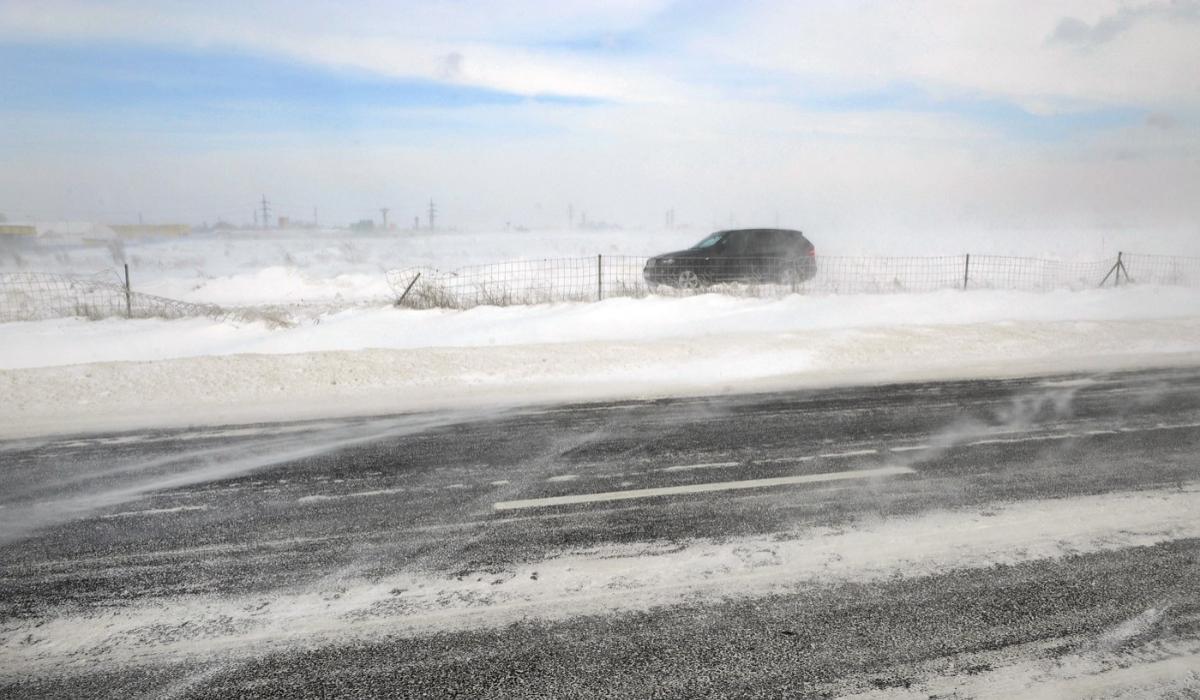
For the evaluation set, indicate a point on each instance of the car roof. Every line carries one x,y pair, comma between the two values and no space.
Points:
789,231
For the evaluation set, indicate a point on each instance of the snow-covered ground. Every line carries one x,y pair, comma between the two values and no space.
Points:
76,341
352,352
74,375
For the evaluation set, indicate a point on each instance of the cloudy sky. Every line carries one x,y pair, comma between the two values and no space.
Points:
888,116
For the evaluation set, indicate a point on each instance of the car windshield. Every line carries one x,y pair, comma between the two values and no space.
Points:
711,240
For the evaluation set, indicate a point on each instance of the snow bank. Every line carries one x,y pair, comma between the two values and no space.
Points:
70,375
216,390
75,341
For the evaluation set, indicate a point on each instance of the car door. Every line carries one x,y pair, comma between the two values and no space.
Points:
734,257
761,250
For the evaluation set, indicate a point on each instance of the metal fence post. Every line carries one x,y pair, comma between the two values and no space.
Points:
967,271
599,278
1116,268
408,289
128,296
1120,267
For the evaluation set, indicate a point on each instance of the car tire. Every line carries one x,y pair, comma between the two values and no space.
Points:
687,279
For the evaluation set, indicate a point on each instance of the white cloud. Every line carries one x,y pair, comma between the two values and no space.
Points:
407,40
1048,56
988,47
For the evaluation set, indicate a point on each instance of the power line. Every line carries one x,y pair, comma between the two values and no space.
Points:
266,212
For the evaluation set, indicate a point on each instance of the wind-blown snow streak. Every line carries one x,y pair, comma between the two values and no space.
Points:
247,388
605,579
28,507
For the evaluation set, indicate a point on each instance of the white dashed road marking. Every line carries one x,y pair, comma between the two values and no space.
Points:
851,453
698,488
356,494
154,511
707,465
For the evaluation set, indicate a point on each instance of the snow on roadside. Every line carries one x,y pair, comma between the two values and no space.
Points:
69,375
76,341
219,390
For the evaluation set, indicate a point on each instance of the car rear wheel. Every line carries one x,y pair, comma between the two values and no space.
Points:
688,280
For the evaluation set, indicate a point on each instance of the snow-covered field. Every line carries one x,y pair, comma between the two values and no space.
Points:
700,318
352,352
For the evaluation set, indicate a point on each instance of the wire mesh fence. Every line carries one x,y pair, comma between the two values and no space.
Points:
33,296
28,296
592,278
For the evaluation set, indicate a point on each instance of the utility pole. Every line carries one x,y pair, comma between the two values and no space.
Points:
266,211
384,211
432,215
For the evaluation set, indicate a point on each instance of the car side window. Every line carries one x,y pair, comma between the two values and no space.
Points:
734,244
763,244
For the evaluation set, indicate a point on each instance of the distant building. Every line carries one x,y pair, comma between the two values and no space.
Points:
18,230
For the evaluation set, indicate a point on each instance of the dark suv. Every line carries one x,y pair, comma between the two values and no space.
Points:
752,255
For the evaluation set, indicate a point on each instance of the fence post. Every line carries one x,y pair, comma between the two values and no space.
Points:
128,296
1116,268
599,278
408,289
967,271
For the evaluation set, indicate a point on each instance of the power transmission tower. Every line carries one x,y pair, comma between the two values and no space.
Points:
384,211
266,211
432,215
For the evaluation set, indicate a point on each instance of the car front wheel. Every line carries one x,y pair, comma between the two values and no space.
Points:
688,280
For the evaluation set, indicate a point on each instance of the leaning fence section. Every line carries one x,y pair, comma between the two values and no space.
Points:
599,277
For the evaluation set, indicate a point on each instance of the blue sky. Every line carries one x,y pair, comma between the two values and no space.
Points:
224,92
564,95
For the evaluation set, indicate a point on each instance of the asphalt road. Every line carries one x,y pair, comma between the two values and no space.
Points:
922,539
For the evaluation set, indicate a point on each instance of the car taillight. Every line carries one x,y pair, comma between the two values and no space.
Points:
812,252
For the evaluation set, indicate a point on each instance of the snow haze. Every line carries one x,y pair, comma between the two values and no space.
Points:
967,126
